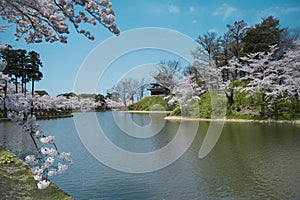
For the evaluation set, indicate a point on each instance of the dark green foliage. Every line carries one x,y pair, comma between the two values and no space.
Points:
101,99
261,37
68,95
87,96
45,114
41,92
21,64
284,110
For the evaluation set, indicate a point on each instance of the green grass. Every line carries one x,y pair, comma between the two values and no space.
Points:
244,107
151,103
16,182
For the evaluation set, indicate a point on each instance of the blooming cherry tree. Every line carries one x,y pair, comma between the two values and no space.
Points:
231,70
290,65
38,20
49,161
186,93
261,74
271,77
49,20
114,104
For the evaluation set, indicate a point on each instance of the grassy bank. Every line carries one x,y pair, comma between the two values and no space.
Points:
151,103
16,182
146,112
179,118
243,109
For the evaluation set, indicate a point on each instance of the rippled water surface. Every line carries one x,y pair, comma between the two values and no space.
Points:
249,161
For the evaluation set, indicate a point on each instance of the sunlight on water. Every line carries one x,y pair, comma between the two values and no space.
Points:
249,161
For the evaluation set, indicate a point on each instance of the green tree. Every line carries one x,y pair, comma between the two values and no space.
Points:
68,95
21,64
100,98
42,92
209,42
260,38
15,60
236,33
224,54
34,63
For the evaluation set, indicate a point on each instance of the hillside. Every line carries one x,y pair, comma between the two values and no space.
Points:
244,107
151,103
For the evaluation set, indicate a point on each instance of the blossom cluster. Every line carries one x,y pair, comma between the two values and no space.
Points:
18,102
39,19
273,74
275,78
3,63
49,161
185,91
46,102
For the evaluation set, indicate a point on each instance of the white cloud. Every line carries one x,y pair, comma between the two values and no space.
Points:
172,8
212,30
155,8
292,9
224,11
192,9
277,11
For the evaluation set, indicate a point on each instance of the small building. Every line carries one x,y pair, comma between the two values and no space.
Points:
157,89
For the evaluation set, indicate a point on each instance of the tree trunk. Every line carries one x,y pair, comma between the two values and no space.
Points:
276,110
25,88
230,97
16,83
22,84
32,94
4,102
132,99
227,74
262,108
32,87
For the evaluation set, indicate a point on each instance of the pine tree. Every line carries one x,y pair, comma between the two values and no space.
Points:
264,35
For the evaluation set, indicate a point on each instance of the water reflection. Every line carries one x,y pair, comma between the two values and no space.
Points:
249,161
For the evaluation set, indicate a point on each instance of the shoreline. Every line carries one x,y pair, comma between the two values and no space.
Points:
179,118
42,117
53,117
18,181
146,112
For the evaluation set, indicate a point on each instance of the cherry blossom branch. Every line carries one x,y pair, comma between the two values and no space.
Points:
37,19
49,160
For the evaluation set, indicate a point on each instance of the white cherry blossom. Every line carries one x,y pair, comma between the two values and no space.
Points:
43,184
38,20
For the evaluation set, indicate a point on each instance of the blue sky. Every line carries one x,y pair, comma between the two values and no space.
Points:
190,17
